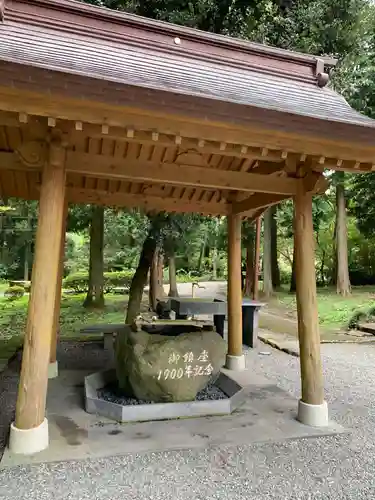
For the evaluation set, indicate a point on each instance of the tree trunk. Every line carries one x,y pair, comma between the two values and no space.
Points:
333,270
343,281
140,279
26,261
267,254
156,291
173,291
160,274
153,283
293,285
258,224
322,277
202,252
214,249
274,261
249,281
95,294
214,263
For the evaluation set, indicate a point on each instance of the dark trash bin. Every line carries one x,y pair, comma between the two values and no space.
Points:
219,321
250,321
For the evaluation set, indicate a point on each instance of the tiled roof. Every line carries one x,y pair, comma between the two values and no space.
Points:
126,62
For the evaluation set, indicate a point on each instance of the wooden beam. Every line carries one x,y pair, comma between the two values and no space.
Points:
315,182
32,391
259,200
185,143
308,323
182,175
12,161
148,136
267,168
72,109
147,203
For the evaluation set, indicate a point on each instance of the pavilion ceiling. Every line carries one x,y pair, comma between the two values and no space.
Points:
152,115
128,167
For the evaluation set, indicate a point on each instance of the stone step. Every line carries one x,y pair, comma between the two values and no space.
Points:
367,328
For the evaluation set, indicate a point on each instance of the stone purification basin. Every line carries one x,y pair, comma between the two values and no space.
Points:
164,371
103,400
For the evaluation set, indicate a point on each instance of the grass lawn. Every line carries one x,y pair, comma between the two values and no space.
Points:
73,317
335,312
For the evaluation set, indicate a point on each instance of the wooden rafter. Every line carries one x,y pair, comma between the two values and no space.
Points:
147,203
180,175
32,103
257,201
165,173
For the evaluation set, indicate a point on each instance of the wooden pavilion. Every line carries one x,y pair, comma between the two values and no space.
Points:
102,107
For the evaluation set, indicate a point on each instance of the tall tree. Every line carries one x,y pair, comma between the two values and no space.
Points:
342,264
166,231
215,238
156,290
173,290
248,241
274,256
267,254
95,293
140,277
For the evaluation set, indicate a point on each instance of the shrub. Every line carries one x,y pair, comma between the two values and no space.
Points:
183,276
26,285
116,279
14,292
285,275
79,282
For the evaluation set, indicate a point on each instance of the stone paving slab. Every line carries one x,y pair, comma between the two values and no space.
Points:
281,341
289,344
268,415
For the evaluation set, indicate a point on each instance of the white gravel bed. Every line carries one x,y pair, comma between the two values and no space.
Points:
339,467
113,394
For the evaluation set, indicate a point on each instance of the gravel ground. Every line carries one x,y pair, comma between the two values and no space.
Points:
339,467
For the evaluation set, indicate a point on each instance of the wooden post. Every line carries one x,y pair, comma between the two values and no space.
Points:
53,371
312,409
32,390
256,259
235,358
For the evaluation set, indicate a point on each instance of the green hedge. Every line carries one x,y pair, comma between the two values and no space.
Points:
14,292
79,282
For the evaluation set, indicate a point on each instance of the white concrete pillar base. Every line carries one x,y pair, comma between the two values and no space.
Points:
235,363
28,441
313,415
53,370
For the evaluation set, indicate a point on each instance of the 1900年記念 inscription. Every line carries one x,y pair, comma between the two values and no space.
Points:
193,366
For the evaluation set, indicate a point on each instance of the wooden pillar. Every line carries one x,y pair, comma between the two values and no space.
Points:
256,259
235,359
56,314
32,390
308,323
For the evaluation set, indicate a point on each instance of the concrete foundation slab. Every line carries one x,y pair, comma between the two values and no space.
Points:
267,415
160,411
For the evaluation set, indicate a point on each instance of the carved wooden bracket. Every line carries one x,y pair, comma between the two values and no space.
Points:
33,153
315,182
